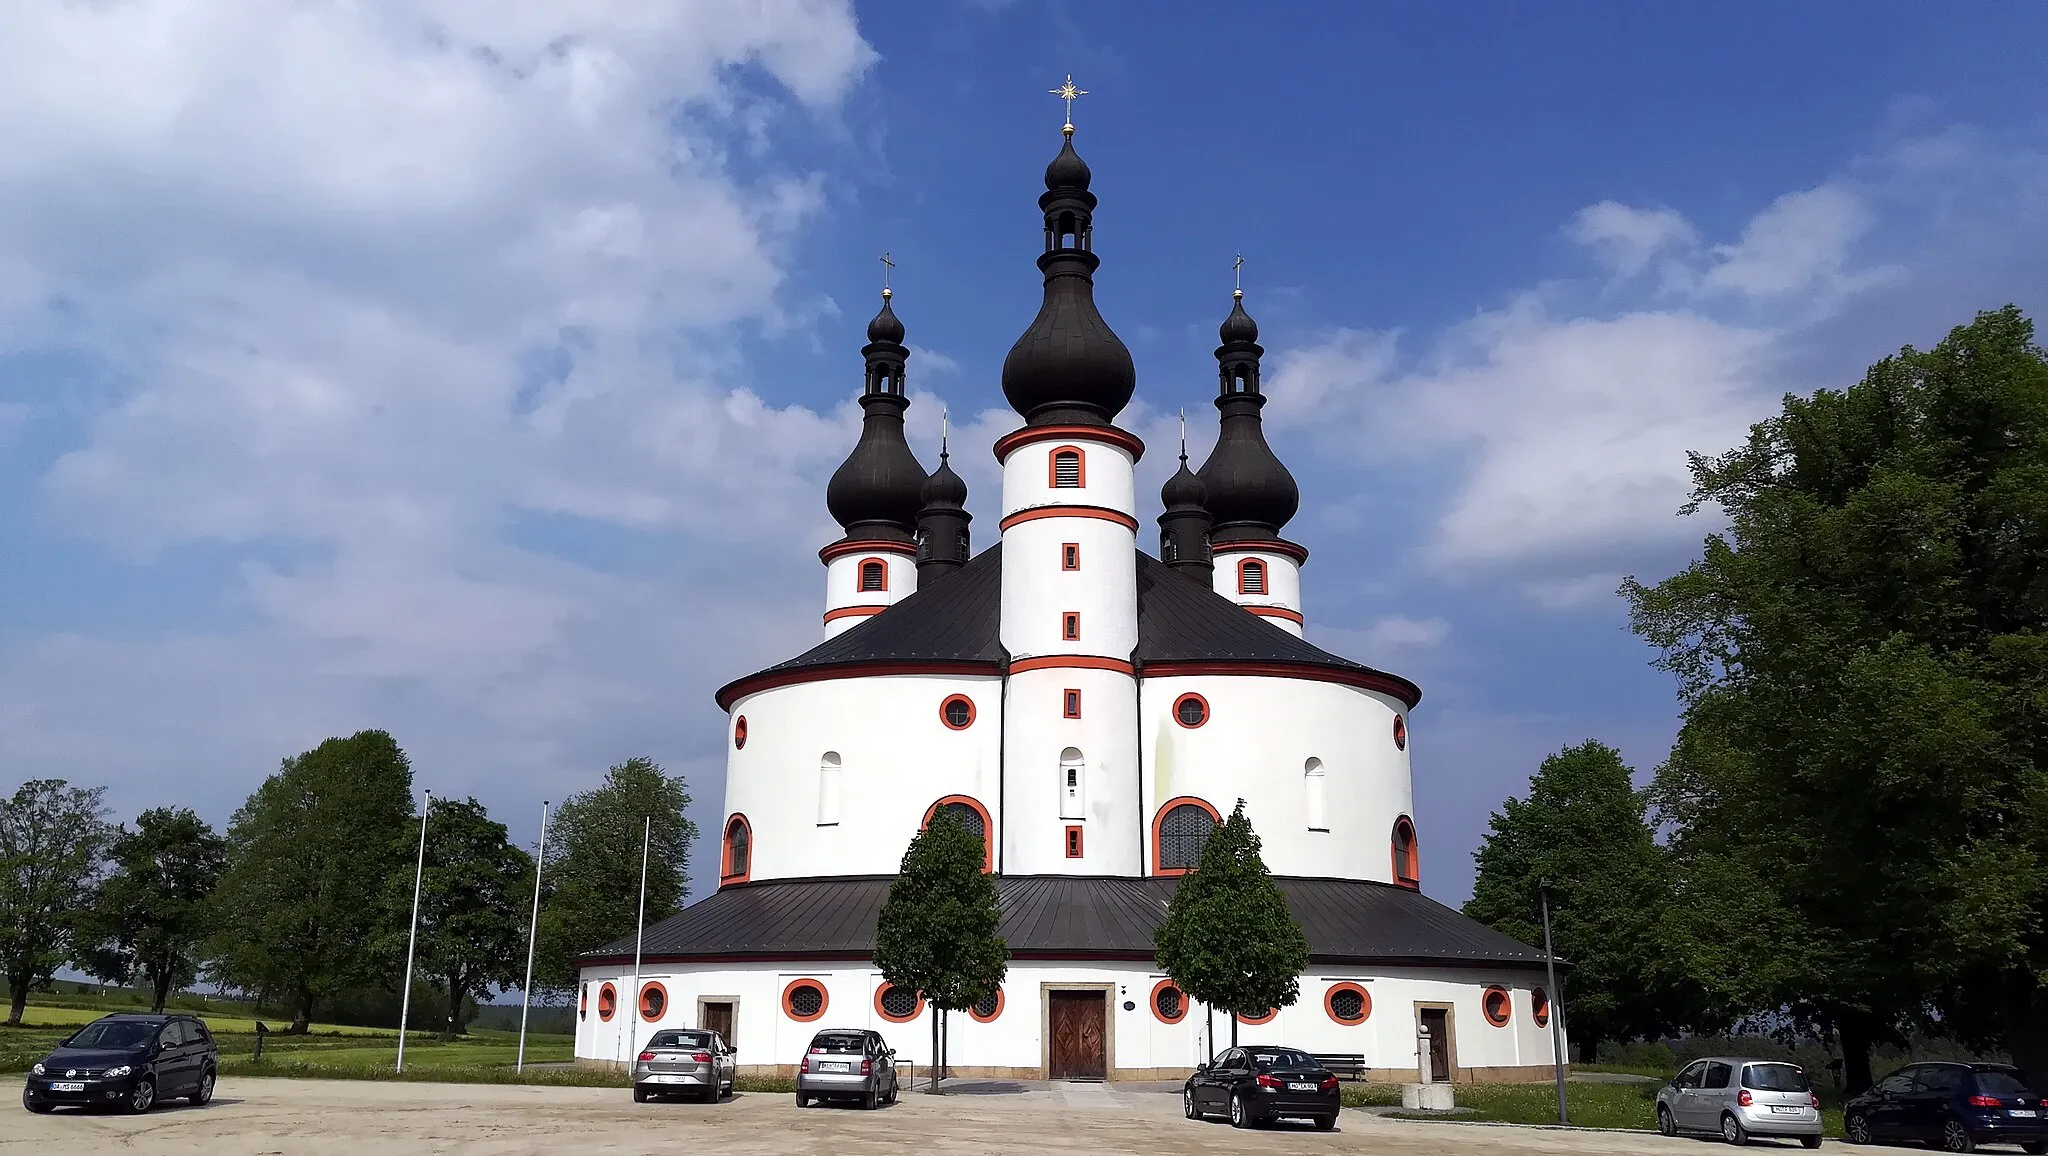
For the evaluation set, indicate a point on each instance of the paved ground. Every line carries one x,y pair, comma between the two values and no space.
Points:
311,1118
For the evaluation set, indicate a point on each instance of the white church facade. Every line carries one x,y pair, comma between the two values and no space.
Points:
1092,710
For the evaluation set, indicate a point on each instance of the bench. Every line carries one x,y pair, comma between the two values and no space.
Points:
1345,1067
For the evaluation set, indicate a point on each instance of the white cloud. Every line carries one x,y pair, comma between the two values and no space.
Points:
1403,635
931,361
1801,242
1625,239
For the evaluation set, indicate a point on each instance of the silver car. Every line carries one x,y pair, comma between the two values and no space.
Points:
1740,1098
848,1063
684,1061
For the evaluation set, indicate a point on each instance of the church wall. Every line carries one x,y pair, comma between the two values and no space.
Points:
1100,747
842,585
1109,477
1282,581
1256,746
896,758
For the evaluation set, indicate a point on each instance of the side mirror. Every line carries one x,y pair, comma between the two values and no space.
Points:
1200,1068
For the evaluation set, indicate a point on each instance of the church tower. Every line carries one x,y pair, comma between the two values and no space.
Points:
876,493
1069,529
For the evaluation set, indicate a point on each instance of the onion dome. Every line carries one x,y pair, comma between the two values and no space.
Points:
1184,527
1249,493
943,543
1183,491
945,488
1069,367
878,490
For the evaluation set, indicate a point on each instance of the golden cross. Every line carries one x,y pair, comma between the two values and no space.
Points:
888,267
1068,92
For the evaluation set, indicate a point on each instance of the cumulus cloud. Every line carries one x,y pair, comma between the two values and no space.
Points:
1625,239
1801,242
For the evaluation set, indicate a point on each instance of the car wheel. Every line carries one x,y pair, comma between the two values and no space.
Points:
870,1100
1810,1141
1665,1124
1187,1104
203,1094
1326,1123
1856,1128
891,1097
1732,1130
33,1104
802,1101
1239,1118
639,1094
142,1097
1956,1138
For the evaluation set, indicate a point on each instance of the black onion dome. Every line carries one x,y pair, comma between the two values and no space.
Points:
945,488
1068,170
1239,326
885,327
879,488
1250,494
1184,491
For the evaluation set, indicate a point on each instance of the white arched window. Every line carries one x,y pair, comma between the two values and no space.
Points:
1318,803
1073,784
828,790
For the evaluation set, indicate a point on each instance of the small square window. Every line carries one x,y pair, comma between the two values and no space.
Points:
1073,842
1071,704
1070,556
1070,626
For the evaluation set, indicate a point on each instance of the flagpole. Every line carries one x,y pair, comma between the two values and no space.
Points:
540,859
412,936
639,933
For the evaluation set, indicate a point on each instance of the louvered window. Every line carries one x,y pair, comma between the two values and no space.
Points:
1066,468
1251,578
873,576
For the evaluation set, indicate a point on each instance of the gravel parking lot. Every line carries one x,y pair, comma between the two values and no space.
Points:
359,1118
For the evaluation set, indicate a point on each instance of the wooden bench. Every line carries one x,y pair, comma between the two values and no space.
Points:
1345,1067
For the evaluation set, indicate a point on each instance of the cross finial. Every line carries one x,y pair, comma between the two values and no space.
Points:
1237,277
1068,92
1183,437
888,267
945,427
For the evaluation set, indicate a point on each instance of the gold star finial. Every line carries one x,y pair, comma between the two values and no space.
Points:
1237,277
888,267
1068,92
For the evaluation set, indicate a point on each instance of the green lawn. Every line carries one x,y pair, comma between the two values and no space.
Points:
1589,1105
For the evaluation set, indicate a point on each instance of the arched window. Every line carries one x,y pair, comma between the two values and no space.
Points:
1073,784
874,575
1178,834
1316,802
972,816
1407,859
1069,470
828,789
1251,576
739,851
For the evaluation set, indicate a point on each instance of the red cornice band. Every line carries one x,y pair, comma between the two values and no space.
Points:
1280,546
1104,513
1373,680
770,679
852,612
1070,433
867,546
1071,662
1293,616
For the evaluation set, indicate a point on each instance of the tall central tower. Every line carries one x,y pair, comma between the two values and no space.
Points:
1070,596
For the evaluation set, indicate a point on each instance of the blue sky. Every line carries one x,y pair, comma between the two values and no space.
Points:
473,370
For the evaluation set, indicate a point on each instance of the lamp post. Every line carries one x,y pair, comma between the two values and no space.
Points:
1556,1002
412,936
540,859
639,936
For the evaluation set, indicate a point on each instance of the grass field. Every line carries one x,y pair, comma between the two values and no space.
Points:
1589,1105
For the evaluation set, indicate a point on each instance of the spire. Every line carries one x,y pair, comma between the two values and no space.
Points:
1250,494
1184,527
1069,367
876,492
943,544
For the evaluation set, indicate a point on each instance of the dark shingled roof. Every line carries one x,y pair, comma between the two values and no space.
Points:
956,620
1059,916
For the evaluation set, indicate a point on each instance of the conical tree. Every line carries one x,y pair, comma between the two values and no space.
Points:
1228,938
940,931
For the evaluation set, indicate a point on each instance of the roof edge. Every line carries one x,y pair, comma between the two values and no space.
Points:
759,681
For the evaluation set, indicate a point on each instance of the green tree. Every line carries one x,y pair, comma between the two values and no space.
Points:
148,919
474,889
1857,794
53,841
940,930
1228,938
1584,827
297,913
592,879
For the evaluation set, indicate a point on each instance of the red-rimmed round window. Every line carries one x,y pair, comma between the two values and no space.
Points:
1539,1007
1191,710
1497,1005
1257,1020
957,712
898,1005
1169,1002
1348,1003
1400,733
583,1004
739,733
653,1001
607,1002
988,1009
804,1000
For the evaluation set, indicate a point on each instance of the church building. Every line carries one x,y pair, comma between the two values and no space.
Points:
1091,710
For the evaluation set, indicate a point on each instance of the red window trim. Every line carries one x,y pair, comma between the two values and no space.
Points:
725,872
948,701
1400,732
1070,703
1265,576
607,1001
1159,817
1070,555
1074,842
1365,1011
739,733
1198,698
646,1016
988,829
1255,1021
1407,868
991,1017
824,999
860,570
881,1011
1539,1007
1152,1001
1507,1006
1052,471
1070,626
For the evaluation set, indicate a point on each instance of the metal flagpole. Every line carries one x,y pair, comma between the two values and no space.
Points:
540,859
412,937
639,933
1556,1003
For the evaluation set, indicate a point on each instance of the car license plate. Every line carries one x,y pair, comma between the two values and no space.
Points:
832,1067
2023,1113
67,1087
1786,1108
1301,1087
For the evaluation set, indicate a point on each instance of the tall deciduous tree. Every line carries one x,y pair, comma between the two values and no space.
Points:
940,930
1228,938
1584,827
309,856
1863,659
149,917
592,876
473,894
53,842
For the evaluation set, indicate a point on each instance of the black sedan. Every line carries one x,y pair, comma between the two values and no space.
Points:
1955,1106
1254,1084
126,1061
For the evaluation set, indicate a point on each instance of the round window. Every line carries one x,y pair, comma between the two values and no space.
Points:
1497,1006
653,1002
1348,1003
988,1008
1400,733
1539,1007
607,1002
1169,1003
804,999
739,734
957,712
1191,710
898,1004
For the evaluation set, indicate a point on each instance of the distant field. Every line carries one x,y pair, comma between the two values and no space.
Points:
43,1015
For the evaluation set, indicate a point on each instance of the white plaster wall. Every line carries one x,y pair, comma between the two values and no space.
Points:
842,585
1106,735
1036,591
1256,745
1107,472
1283,583
897,758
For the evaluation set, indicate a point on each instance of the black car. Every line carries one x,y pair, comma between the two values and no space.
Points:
1254,1084
1957,1106
126,1061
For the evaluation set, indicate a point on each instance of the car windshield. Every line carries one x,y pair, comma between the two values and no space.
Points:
839,1042
1270,1058
1997,1083
1774,1078
112,1034
680,1040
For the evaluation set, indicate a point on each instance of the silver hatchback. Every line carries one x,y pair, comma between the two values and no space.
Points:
684,1061
1739,1098
847,1063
